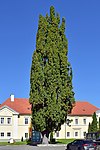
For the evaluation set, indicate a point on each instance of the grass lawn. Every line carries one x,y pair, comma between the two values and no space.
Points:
64,141
59,141
16,143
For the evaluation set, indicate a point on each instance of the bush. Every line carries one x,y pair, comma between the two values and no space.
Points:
22,139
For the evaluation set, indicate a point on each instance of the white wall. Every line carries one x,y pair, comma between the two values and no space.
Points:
77,129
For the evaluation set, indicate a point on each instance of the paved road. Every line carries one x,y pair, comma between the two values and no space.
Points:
27,147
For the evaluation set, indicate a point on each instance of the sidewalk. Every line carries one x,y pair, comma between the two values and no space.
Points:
52,145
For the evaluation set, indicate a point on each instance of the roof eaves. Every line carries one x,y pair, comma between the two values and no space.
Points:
80,114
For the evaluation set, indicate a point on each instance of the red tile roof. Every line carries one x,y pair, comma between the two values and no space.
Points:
83,108
20,105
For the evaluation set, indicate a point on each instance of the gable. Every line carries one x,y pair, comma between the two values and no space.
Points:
7,111
20,105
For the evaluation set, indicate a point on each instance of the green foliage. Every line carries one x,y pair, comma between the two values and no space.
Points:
64,141
99,123
22,139
51,91
89,128
93,127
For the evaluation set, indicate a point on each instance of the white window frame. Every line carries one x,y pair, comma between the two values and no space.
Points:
84,133
84,121
26,123
1,120
7,134
68,134
75,134
76,121
1,135
26,133
8,120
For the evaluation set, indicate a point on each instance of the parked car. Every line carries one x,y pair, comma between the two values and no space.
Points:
81,144
95,136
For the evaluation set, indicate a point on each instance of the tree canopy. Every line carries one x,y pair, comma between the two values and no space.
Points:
51,90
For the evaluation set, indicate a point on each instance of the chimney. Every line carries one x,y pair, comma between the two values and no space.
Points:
12,97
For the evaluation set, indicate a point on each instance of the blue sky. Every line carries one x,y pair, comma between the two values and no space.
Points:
18,28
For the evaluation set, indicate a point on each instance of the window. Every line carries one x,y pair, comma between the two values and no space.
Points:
8,120
26,120
76,133
84,133
68,134
2,120
84,121
76,121
2,134
57,134
26,135
8,134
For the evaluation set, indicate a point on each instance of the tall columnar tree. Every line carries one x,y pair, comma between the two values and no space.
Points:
51,91
94,123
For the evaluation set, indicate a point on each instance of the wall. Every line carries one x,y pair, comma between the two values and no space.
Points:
76,129
17,128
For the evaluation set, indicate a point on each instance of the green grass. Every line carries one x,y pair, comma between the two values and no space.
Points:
58,141
16,143
3,143
64,141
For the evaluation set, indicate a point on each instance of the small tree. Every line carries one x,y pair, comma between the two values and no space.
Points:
94,123
89,127
93,127
22,139
99,123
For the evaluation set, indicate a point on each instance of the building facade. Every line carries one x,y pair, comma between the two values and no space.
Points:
15,120
80,117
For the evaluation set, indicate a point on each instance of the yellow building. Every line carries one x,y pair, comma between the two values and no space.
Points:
15,120
80,117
